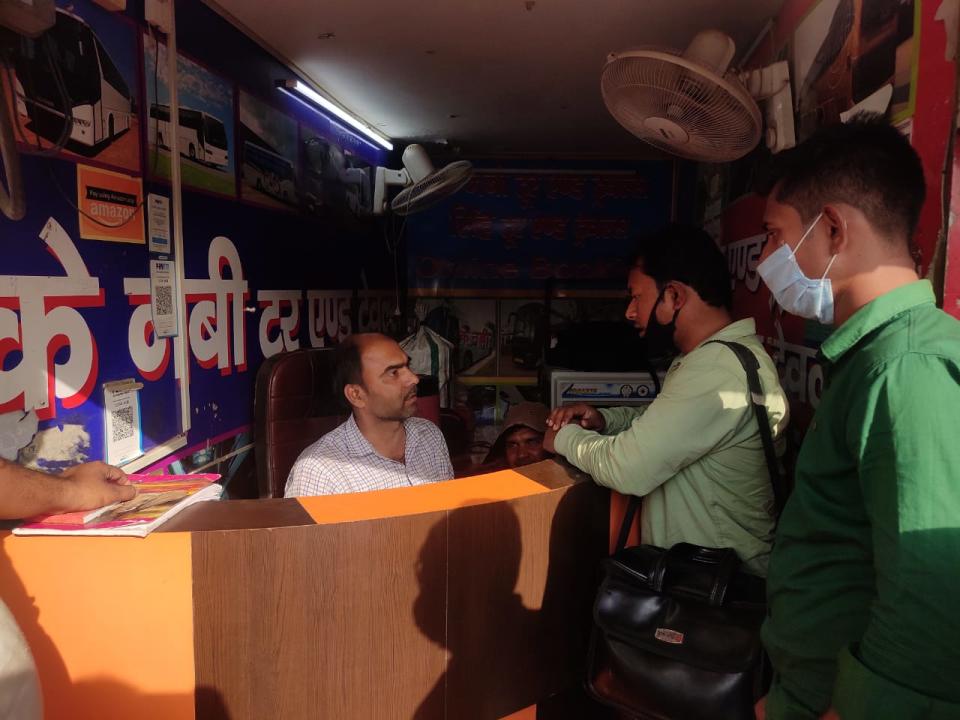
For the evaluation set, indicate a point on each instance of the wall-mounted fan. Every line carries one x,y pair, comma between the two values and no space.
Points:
423,185
689,104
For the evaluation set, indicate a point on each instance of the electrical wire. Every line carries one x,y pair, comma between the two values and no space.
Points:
13,204
53,65
88,216
68,119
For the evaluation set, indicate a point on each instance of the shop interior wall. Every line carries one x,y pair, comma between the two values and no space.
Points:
279,252
839,52
524,270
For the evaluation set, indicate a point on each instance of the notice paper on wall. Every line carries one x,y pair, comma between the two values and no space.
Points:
121,413
158,223
163,286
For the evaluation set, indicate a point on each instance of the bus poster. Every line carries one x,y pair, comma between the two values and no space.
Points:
206,128
74,88
268,144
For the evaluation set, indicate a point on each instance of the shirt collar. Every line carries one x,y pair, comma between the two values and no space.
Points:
356,443
733,331
876,314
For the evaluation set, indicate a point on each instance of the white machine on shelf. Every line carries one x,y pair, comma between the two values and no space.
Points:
606,389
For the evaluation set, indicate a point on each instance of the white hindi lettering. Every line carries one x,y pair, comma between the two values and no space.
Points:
743,256
216,327
217,316
329,317
274,302
38,317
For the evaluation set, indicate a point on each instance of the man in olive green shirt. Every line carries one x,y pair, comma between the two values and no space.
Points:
694,454
864,583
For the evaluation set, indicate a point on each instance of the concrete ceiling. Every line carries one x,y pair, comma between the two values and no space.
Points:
490,77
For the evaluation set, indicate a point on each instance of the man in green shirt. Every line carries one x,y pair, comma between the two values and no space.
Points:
694,454
864,582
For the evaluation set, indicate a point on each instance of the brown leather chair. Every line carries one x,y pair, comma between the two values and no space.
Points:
294,405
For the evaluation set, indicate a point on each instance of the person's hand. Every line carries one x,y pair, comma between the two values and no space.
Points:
93,485
548,438
760,709
586,416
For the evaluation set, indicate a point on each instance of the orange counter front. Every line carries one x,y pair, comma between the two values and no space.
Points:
465,599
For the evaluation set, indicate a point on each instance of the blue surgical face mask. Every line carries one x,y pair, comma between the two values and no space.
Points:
795,292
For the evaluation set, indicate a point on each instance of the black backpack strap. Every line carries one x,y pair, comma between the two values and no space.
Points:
751,365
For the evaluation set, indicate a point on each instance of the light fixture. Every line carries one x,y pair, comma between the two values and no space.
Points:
306,94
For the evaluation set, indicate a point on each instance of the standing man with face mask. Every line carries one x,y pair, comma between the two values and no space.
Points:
694,454
864,579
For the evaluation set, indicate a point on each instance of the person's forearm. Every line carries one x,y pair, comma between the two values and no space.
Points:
618,419
25,493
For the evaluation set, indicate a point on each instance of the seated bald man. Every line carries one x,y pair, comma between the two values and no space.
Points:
381,445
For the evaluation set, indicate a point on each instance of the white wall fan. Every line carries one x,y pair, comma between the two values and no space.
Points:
690,104
423,185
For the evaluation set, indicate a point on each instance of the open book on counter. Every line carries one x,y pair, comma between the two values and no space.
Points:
159,498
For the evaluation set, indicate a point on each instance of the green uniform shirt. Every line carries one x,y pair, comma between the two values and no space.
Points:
694,453
866,565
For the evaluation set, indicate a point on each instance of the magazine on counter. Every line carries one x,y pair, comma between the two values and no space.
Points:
159,498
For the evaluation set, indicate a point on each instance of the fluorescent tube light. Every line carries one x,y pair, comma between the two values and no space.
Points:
304,92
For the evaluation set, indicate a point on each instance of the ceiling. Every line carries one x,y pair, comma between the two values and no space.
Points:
489,77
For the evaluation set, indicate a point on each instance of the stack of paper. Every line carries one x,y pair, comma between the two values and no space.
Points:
159,498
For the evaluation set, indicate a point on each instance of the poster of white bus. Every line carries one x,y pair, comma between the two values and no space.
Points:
70,91
206,128
202,137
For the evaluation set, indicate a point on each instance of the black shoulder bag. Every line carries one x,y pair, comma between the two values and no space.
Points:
676,633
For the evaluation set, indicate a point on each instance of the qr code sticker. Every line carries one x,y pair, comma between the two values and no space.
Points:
122,423
164,304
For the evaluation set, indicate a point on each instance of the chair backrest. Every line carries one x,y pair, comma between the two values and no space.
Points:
294,404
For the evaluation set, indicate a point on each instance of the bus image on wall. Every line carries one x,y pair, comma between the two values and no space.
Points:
67,72
202,137
268,172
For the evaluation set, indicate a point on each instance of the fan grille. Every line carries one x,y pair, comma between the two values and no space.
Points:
674,105
432,189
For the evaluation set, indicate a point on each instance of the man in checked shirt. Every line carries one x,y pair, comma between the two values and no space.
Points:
381,445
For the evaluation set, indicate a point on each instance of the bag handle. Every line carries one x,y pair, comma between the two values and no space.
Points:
724,560
751,365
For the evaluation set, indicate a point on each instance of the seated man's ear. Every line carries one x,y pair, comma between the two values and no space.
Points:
354,395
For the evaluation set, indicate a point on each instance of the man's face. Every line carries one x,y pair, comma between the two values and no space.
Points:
524,446
643,295
784,226
389,387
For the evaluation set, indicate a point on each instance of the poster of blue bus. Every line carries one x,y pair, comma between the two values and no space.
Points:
72,90
268,141
205,131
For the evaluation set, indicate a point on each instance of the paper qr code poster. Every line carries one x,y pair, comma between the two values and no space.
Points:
162,287
121,411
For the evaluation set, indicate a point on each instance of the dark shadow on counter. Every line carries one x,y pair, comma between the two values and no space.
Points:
505,656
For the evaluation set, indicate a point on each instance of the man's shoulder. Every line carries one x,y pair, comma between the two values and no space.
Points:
330,444
922,332
716,358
